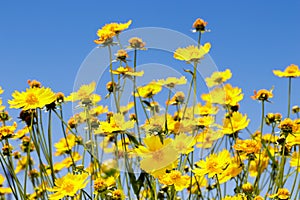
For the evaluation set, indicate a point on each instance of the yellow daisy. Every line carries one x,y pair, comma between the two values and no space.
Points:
32,98
84,92
148,90
175,178
157,156
218,78
291,71
192,53
235,123
68,185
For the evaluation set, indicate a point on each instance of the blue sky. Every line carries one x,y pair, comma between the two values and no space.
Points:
48,40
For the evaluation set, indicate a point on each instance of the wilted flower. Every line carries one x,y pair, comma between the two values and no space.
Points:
136,43
34,84
177,99
122,55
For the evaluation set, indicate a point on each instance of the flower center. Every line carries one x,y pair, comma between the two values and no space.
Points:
31,99
212,165
68,187
158,156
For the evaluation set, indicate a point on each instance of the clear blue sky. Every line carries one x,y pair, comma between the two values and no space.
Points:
48,40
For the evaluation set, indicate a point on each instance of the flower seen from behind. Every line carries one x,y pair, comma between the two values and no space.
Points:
262,95
199,25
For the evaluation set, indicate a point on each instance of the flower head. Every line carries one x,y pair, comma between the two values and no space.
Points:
295,161
157,156
32,98
117,195
65,145
116,28
136,43
177,99
85,92
127,71
291,71
199,25
115,124
4,190
192,53
171,82
281,194
107,32
175,178
122,55
148,90
235,123
213,164
68,185
262,95
226,95
184,144
247,146
207,109
288,126
218,78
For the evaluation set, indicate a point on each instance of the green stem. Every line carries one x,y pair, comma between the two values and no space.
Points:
289,96
50,147
134,97
256,183
112,79
199,39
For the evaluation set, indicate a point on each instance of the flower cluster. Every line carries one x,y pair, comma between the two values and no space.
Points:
153,147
